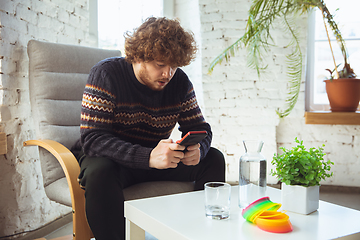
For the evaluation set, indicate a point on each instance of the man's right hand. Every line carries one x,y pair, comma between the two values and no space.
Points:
166,154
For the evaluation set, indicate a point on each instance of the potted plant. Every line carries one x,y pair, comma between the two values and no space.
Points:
257,39
342,87
300,171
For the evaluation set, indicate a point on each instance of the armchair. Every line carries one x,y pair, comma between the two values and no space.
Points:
57,77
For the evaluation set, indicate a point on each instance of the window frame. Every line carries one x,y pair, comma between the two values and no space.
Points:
320,113
310,106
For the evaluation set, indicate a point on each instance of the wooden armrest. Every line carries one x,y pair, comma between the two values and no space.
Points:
66,159
71,169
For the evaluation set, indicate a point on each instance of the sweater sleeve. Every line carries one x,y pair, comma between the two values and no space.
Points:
191,119
97,116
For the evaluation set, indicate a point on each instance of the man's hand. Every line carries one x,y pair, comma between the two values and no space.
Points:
166,154
192,155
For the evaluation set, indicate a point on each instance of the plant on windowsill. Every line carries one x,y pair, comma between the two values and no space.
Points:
342,88
300,171
257,40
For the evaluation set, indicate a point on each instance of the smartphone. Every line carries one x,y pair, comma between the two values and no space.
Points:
192,138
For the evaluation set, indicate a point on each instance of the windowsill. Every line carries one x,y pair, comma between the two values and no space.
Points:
341,118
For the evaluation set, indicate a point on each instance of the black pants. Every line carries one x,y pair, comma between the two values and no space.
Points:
104,181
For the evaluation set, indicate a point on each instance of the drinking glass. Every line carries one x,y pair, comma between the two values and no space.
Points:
217,200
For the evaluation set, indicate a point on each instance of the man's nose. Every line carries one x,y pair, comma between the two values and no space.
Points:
168,72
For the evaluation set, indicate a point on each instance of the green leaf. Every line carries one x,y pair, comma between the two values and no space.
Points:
298,166
257,40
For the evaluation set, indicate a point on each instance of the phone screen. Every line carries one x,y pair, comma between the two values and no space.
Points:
192,138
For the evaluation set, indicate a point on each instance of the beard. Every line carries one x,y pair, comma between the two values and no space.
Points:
156,85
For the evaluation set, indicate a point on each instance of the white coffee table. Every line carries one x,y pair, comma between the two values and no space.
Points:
182,216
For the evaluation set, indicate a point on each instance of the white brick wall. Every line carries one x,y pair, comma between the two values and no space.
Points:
239,105
23,204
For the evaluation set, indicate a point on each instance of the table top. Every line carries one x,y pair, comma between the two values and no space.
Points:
182,216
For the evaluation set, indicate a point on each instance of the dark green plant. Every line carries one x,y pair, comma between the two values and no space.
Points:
257,40
299,166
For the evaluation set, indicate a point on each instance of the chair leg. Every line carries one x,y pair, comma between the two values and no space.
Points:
81,229
71,169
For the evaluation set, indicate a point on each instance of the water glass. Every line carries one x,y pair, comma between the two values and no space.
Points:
217,200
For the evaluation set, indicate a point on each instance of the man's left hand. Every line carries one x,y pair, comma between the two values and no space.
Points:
192,155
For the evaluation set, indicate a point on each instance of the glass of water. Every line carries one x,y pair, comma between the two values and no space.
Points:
217,200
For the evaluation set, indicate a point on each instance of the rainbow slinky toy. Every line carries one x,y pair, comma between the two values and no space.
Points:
264,214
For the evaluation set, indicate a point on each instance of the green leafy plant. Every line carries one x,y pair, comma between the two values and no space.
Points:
298,166
263,15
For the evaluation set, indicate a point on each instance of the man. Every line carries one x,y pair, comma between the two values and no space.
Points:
130,107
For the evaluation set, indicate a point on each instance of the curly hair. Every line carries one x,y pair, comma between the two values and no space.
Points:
160,39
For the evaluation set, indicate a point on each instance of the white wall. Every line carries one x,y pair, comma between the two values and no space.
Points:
187,11
23,203
239,105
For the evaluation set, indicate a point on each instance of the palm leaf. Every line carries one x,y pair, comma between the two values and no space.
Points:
294,68
257,40
229,51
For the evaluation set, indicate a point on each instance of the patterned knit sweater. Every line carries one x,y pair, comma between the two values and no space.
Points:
124,120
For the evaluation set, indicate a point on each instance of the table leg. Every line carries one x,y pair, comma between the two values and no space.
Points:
133,232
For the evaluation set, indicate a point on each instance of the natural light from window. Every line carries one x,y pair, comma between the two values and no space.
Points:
349,24
115,17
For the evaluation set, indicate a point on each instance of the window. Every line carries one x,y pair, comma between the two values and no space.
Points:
319,54
116,17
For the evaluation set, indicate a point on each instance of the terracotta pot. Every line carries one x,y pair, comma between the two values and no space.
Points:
343,94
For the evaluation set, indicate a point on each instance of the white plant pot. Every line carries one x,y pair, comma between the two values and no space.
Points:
299,199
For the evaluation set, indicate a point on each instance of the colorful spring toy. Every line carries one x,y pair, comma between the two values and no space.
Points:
264,214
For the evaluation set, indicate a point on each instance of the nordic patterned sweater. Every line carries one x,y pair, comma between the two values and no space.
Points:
124,120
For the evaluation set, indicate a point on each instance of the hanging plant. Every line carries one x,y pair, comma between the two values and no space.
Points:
257,40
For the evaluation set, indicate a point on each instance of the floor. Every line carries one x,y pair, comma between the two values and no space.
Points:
349,198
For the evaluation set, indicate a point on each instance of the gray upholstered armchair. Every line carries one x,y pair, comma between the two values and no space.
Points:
57,74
